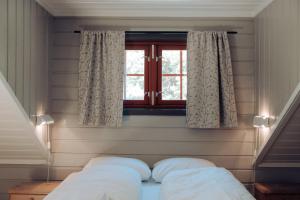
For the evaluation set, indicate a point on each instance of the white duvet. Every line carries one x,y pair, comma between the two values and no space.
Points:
210,183
100,183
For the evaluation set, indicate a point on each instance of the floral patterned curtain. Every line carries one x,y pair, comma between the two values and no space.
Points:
210,93
101,68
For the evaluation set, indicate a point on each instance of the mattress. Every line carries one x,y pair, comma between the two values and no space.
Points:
150,190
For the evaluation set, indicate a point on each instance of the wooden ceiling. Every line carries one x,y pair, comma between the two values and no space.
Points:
155,8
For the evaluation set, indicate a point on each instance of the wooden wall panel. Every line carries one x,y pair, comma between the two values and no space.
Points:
24,63
11,47
278,66
150,138
27,56
33,58
79,160
71,107
68,25
3,36
277,55
24,52
63,120
20,51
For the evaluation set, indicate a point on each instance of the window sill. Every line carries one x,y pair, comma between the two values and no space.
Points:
149,111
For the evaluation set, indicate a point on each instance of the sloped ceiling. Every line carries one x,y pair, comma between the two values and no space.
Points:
155,8
283,145
19,141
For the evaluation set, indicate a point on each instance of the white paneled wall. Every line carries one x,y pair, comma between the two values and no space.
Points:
24,52
24,27
277,52
278,74
150,138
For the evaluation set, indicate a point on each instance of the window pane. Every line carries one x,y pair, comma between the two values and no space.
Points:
174,70
184,87
135,80
170,88
171,61
134,88
135,61
184,61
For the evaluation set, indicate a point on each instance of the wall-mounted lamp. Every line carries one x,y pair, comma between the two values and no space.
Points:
261,122
44,120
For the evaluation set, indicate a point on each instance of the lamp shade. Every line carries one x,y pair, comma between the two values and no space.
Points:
261,121
44,120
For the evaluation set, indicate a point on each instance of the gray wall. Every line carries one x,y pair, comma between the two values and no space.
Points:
150,138
24,27
277,55
277,30
24,52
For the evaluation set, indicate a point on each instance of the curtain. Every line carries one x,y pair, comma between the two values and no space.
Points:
210,92
101,68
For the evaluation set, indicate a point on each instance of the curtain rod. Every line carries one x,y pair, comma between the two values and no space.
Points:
174,32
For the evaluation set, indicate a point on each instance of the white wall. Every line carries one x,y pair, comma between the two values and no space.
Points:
24,27
277,56
277,30
148,138
156,137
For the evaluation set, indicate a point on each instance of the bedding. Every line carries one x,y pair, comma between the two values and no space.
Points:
164,167
209,183
150,190
141,167
107,182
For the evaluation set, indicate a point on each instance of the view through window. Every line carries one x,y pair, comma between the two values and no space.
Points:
155,75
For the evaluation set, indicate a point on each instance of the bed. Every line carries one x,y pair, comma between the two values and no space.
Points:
114,178
150,190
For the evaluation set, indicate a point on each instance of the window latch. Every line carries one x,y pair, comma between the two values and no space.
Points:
147,94
158,57
153,51
158,93
152,98
148,58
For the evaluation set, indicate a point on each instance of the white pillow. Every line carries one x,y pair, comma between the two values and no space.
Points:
141,167
164,167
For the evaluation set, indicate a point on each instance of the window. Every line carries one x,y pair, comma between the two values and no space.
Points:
156,75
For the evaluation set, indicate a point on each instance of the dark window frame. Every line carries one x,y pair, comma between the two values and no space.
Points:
153,75
170,103
140,103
